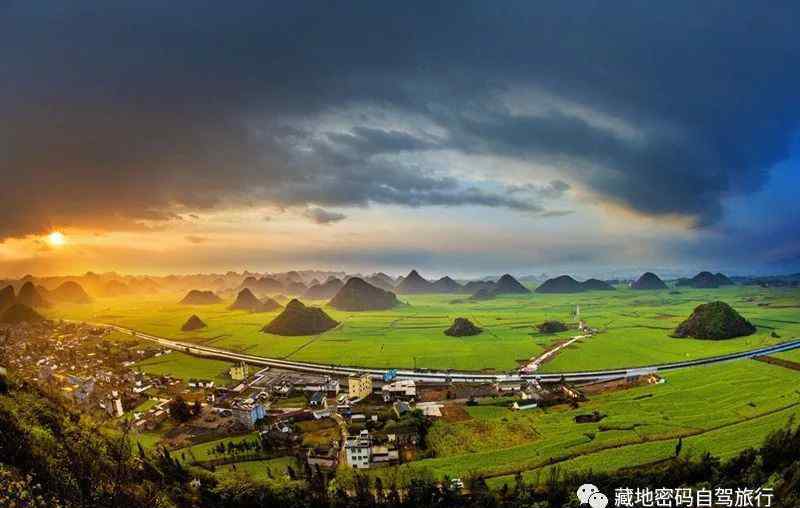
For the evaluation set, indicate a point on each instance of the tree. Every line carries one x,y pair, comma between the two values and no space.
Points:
179,410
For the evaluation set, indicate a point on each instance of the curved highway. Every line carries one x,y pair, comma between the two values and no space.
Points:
438,376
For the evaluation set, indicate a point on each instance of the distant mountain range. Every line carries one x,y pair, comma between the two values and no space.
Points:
321,284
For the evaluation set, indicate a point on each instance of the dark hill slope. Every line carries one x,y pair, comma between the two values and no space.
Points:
246,300
264,285
446,285
413,283
705,280
323,291
197,297
30,296
7,297
20,313
295,288
648,280
298,319
560,284
359,295
381,280
508,285
268,305
70,292
193,323
596,285
723,280
474,286
483,294
714,321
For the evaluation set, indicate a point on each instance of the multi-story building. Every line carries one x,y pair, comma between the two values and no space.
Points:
248,413
113,404
359,386
404,389
359,450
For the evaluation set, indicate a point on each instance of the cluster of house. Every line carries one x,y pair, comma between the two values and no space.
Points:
74,359
362,451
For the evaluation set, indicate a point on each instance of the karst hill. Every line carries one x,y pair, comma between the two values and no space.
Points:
714,321
358,295
299,319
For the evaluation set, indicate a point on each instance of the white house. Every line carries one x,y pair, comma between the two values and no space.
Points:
405,388
248,414
359,450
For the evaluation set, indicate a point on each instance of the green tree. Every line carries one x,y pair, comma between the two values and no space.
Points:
179,410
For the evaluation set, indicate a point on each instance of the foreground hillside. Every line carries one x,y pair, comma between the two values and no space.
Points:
50,456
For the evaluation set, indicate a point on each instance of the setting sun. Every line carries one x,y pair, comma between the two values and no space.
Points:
56,239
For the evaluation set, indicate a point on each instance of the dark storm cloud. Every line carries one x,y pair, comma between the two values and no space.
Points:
322,216
552,190
116,115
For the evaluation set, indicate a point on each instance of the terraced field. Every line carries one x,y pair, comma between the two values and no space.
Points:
635,327
723,408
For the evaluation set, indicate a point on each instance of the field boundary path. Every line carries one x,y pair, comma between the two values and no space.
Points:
450,376
535,362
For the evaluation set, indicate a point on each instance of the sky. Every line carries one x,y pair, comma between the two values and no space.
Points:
466,138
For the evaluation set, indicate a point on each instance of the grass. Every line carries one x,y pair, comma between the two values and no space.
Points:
148,440
257,469
792,356
319,432
635,328
202,452
146,405
184,366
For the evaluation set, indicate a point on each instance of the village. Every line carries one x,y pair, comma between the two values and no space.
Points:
358,421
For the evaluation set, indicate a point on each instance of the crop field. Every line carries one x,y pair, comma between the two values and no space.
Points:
202,452
186,367
722,408
634,325
257,469
792,356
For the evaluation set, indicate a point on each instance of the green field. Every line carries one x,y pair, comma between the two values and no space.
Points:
203,452
722,408
253,468
635,328
184,366
257,469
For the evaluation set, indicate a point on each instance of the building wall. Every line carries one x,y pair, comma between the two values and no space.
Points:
358,457
359,387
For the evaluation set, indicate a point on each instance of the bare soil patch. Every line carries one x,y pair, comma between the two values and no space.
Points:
455,413
779,362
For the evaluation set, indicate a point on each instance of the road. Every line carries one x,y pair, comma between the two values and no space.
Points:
437,376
